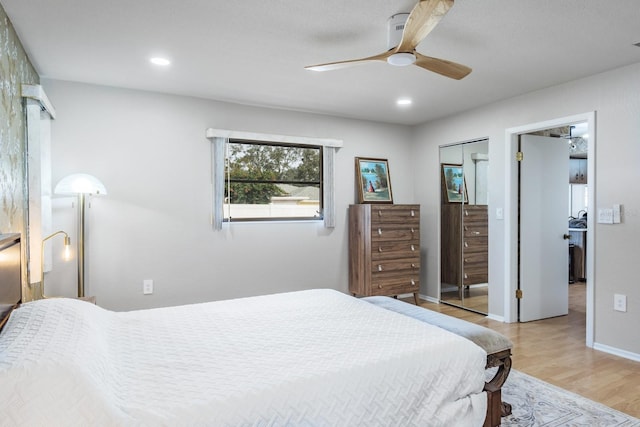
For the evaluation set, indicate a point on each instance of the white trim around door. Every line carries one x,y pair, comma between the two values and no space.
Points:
511,214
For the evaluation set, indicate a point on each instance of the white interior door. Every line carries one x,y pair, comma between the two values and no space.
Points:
544,206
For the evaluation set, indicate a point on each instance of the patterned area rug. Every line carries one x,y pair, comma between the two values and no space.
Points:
537,403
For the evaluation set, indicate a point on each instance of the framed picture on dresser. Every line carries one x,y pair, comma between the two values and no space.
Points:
454,187
372,180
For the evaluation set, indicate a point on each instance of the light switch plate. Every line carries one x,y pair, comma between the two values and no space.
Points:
616,214
605,216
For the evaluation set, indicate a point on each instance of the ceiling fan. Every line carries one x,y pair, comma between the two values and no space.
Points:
406,31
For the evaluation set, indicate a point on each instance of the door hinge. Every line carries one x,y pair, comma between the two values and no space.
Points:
519,156
518,293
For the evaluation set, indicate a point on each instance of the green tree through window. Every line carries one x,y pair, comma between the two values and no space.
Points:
286,177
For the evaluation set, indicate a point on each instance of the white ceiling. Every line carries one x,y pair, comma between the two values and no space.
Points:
253,51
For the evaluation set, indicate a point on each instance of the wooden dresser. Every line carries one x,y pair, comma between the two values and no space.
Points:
384,250
465,245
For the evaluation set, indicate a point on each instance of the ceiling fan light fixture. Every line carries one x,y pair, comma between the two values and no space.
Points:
401,59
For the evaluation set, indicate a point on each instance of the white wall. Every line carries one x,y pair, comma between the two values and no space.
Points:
615,96
151,153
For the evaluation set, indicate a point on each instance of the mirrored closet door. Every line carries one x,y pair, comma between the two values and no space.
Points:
464,241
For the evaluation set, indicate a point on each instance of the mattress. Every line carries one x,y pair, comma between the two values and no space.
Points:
308,358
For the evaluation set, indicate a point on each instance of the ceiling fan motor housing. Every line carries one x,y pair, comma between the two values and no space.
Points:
395,27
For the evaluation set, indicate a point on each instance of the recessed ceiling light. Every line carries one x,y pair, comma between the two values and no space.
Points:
404,101
163,62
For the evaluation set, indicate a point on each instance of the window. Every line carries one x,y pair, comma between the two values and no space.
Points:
328,147
272,181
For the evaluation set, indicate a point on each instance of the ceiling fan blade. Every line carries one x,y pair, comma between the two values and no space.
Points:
344,64
442,66
422,19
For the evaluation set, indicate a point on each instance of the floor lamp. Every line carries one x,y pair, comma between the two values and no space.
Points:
80,184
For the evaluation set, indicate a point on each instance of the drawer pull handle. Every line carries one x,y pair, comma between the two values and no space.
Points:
466,212
413,213
466,260
466,245
413,230
413,248
413,282
466,228
379,286
379,249
379,231
413,266
465,276
379,267
476,232
379,213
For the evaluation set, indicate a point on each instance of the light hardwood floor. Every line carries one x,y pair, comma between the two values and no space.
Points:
554,350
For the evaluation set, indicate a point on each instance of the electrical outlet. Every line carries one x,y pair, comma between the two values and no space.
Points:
147,287
620,302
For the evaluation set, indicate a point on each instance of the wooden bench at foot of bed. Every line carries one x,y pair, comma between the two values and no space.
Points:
497,346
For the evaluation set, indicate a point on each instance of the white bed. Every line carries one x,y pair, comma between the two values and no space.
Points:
308,358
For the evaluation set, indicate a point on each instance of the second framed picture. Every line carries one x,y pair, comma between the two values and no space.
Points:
454,187
372,180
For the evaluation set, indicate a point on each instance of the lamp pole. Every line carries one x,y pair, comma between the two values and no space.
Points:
81,200
80,184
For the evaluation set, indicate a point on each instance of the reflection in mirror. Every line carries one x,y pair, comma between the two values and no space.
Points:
464,225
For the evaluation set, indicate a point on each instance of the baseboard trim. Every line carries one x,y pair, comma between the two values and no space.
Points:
617,352
430,299
496,318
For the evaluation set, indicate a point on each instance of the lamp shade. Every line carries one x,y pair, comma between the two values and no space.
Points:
80,183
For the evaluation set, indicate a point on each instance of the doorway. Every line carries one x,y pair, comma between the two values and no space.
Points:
511,219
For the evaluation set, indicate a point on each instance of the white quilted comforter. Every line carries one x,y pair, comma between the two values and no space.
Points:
309,358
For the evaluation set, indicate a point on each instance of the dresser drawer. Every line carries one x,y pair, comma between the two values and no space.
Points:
401,214
475,213
479,259
382,268
475,230
384,250
475,244
474,277
395,285
395,232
